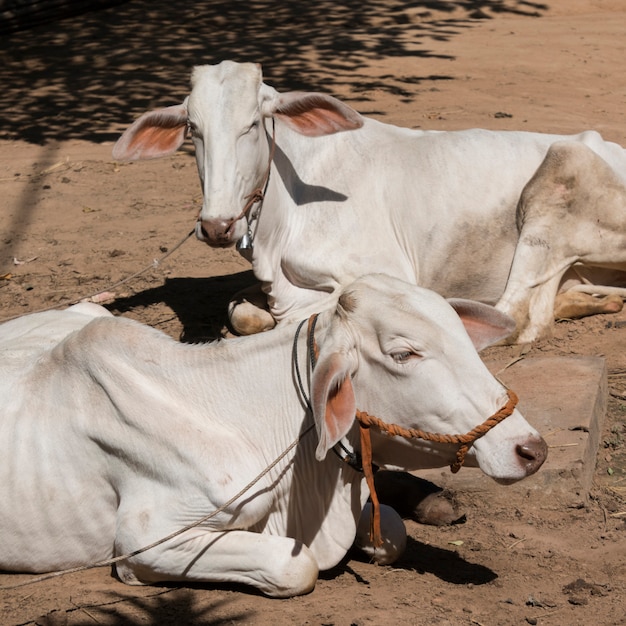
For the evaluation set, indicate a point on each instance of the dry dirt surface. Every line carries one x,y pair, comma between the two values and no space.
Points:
73,223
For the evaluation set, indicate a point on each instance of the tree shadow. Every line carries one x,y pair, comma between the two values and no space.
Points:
173,605
88,75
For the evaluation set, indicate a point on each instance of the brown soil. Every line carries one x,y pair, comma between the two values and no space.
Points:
73,223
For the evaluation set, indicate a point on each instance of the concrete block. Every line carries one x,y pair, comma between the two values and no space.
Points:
565,399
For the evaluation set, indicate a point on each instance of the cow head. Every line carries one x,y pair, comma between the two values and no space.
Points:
406,355
225,114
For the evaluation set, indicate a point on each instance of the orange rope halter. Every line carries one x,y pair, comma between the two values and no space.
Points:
366,421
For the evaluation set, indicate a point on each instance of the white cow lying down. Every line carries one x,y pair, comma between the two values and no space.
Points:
115,435
499,217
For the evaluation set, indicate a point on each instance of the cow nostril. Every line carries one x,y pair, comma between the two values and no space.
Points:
215,232
533,453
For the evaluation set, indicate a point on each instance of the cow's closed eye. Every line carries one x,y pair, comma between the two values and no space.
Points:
404,356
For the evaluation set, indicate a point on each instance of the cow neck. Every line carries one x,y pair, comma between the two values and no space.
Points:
364,463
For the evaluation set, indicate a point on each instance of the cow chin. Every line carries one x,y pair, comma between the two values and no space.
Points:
215,244
508,481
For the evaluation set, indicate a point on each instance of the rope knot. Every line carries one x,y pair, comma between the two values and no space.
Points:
256,196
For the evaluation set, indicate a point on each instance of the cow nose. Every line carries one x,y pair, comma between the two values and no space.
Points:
215,232
532,454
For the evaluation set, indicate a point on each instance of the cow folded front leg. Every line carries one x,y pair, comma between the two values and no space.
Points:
280,567
248,311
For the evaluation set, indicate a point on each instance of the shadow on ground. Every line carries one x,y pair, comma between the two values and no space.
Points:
200,304
180,606
423,558
87,76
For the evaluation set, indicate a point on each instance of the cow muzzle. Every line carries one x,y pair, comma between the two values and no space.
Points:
218,233
512,461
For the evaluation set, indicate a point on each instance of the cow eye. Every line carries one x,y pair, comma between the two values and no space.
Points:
403,357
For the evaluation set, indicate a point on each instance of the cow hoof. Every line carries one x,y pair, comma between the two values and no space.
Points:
437,509
246,319
248,312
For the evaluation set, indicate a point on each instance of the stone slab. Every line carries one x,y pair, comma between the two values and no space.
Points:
565,399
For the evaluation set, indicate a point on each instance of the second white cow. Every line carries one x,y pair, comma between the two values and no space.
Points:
499,217
114,435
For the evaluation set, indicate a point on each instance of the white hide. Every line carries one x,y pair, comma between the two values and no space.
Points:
435,208
114,435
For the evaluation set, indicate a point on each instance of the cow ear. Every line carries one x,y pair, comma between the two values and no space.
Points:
155,134
334,406
484,324
314,114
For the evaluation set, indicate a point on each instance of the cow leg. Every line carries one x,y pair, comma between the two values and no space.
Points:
573,210
584,291
248,311
280,567
576,304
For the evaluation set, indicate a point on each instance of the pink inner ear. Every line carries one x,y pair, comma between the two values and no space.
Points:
316,123
476,329
334,405
340,410
157,141
154,134
314,115
484,324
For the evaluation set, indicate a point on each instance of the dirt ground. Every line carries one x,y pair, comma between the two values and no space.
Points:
73,223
